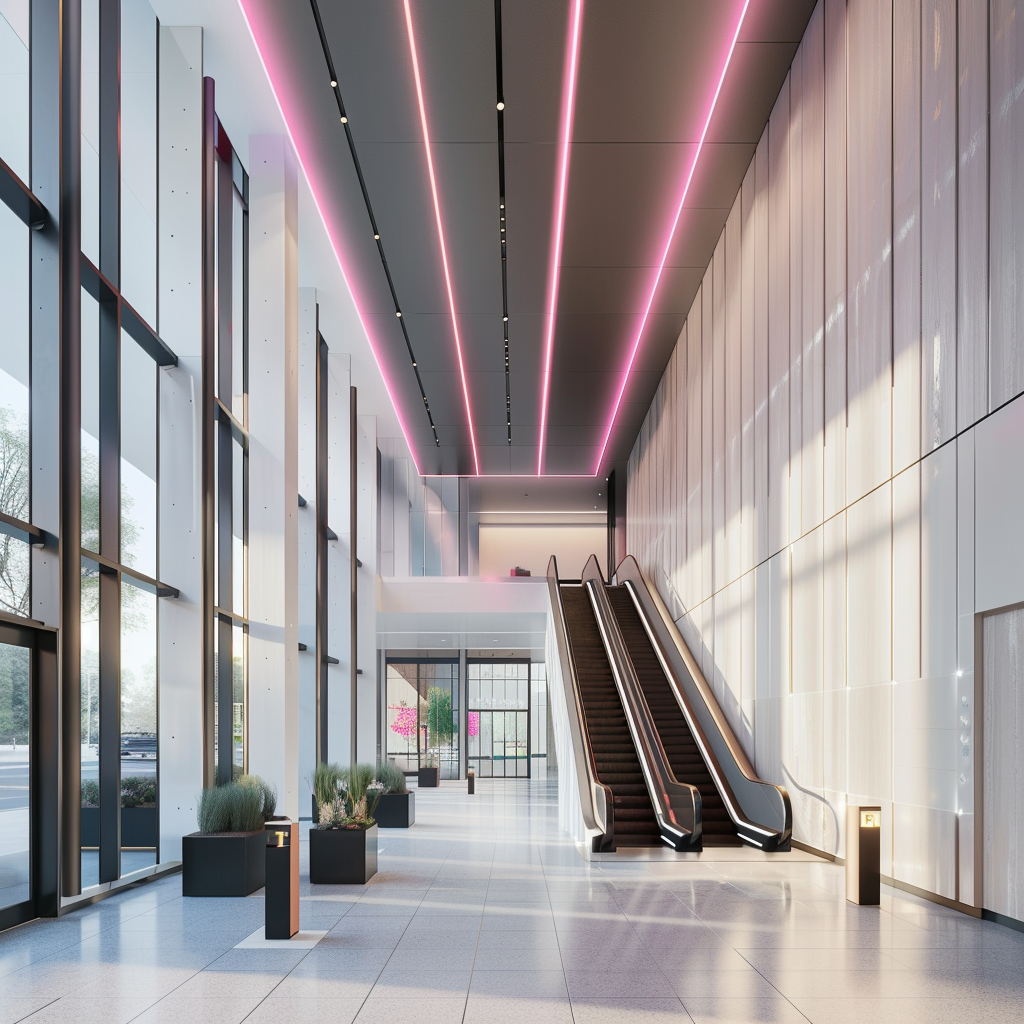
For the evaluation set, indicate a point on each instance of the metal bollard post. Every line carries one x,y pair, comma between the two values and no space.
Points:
471,779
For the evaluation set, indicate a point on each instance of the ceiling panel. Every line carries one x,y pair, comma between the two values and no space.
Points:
647,72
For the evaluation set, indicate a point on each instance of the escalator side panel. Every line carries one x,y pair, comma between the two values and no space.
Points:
618,766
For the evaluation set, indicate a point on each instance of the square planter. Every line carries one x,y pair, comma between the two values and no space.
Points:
429,777
342,856
396,810
223,864
138,827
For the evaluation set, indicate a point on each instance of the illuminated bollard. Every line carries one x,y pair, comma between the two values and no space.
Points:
281,905
863,855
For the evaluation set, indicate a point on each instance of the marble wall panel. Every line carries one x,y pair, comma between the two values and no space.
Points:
694,453
834,589
999,490
869,589
732,393
719,289
972,214
759,216
1006,203
805,767
794,171
835,266
906,574
939,563
808,633
707,461
778,324
748,510
780,677
869,198
924,844
906,170
813,274
938,222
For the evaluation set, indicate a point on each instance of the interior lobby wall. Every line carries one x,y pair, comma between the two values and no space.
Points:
825,489
506,545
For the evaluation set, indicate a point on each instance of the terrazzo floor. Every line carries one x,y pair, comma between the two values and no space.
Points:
483,913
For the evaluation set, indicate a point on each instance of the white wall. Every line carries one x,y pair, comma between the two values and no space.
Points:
809,491
505,545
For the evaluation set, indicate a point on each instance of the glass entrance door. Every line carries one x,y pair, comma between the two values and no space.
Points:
15,777
498,719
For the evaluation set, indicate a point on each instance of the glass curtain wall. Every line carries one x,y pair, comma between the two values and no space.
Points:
121,357
498,718
422,706
230,220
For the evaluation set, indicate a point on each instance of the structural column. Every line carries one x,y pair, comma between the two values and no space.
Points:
273,697
180,241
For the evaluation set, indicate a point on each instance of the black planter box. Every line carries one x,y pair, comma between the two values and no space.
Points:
138,827
223,864
429,777
396,810
342,856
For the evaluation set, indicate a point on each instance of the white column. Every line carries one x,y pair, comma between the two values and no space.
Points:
338,554
273,468
307,539
180,624
366,551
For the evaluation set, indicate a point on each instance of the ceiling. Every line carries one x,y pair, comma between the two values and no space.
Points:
647,73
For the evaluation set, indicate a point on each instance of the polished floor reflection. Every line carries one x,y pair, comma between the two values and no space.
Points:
481,913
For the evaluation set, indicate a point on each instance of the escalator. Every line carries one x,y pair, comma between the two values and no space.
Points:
656,761
684,754
614,753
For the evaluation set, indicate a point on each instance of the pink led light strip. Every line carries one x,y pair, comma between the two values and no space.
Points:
668,241
440,231
558,228
330,236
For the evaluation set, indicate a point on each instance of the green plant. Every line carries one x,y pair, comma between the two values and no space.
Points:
136,791
345,798
267,790
440,723
231,808
391,777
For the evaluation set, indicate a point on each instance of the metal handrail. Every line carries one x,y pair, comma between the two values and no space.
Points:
596,803
761,811
677,805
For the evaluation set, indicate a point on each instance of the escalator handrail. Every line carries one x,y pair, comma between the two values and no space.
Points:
728,763
596,803
677,805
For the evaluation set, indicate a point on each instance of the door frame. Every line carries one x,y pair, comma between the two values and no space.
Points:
44,769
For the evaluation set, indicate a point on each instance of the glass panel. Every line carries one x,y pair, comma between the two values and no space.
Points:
238,658
91,130
402,717
216,694
138,458
138,728
90,423
238,339
138,157
14,86
90,726
238,529
14,361
14,761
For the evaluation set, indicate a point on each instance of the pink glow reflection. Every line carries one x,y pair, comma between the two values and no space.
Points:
440,230
668,241
558,225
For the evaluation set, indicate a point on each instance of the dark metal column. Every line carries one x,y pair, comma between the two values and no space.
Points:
225,476
322,604
208,361
353,519
48,471
71,441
